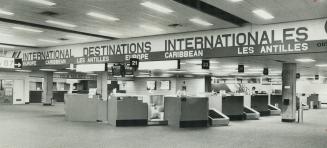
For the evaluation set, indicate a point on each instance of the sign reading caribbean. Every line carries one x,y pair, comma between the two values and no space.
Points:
253,40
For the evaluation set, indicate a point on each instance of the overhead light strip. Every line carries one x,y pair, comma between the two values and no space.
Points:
43,2
48,41
102,16
157,7
200,22
27,29
60,23
263,14
152,28
6,12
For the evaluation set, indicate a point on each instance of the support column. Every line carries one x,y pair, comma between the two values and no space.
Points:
47,88
102,87
289,92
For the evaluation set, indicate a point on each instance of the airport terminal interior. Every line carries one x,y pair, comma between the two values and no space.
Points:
163,73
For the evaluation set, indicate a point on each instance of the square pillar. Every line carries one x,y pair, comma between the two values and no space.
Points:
289,92
47,94
102,87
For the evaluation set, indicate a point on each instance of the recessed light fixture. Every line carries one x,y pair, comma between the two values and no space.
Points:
102,16
194,61
263,14
200,73
111,33
6,12
48,69
48,41
214,62
306,60
6,46
152,28
321,65
200,22
27,29
60,23
235,1
156,7
43,2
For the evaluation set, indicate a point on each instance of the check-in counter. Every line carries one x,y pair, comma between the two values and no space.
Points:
36,96
59,96
260,103
79,107
276,100
127,111
313,101
186,111
233,107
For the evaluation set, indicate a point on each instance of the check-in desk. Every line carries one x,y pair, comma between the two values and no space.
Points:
260,103
313,101
36,96
276,100
79,107
59,96
127,111
186,111
233,107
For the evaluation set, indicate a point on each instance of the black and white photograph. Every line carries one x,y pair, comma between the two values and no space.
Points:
163,74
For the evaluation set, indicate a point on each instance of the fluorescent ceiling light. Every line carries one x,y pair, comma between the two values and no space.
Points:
102,16
48,41
75,37
6,12
48,70
321,65
60,23
156,7
263,14
275,72
112,33
214,62
235,1
28,29
194,61
200,22
305,60
6,46
44,2
152,28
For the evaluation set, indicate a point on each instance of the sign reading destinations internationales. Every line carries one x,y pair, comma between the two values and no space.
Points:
285,38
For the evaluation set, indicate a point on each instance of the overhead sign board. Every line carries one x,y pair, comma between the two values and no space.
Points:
7,62
252,40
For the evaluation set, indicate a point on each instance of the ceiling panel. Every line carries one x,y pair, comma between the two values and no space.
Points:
283,10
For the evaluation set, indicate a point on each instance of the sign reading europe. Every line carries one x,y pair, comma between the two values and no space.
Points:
285,38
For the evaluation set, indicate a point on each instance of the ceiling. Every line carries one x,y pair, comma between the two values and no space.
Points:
132,15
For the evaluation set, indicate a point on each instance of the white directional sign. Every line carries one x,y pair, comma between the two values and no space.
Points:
7,62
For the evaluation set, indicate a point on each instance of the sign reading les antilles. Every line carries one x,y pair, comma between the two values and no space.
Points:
285,38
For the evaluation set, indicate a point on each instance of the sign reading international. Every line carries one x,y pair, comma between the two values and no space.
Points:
252,40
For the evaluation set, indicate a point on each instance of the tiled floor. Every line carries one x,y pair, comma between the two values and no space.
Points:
36,126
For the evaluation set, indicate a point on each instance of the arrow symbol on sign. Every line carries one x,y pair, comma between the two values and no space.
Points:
18,65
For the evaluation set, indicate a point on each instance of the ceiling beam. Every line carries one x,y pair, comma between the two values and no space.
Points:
213,11
53,28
